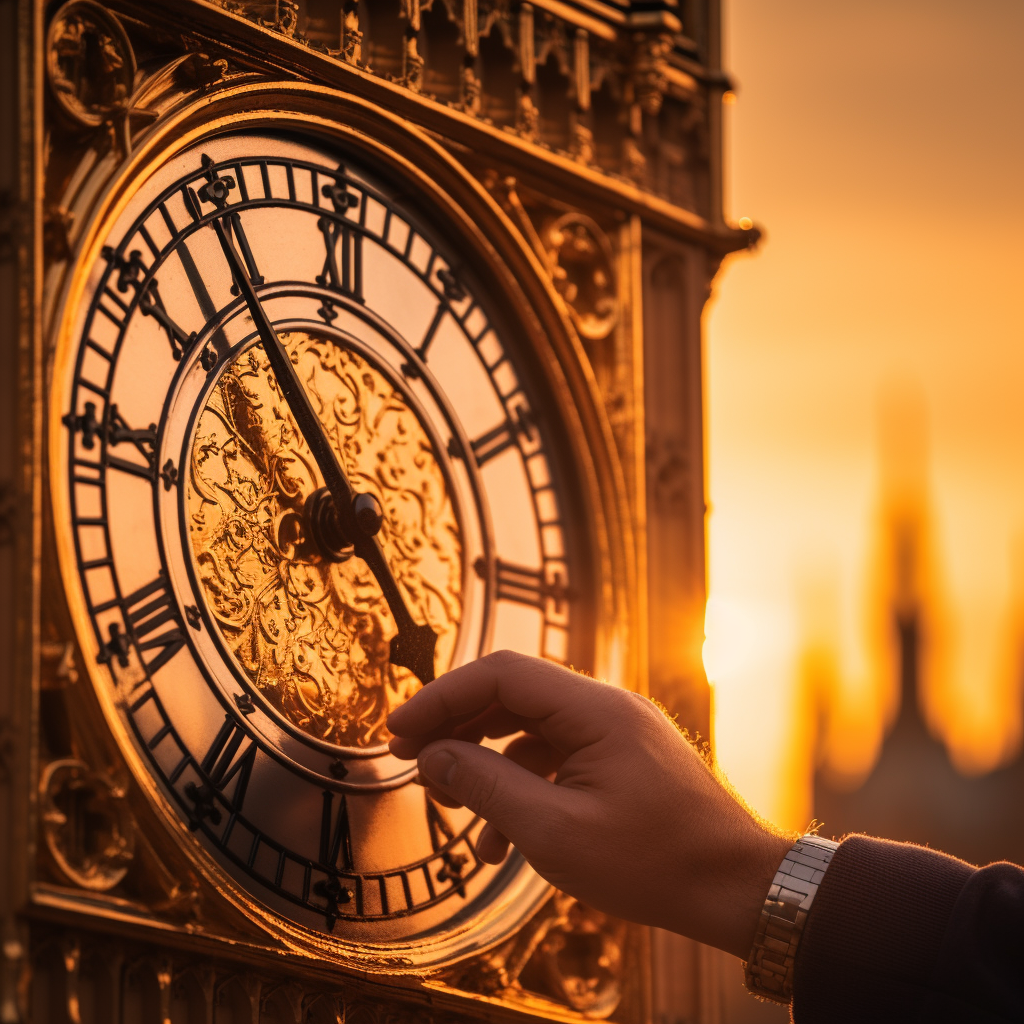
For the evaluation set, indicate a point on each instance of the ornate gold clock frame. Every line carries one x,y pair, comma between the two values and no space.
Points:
571,151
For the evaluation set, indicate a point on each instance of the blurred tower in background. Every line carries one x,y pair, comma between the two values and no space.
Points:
914,792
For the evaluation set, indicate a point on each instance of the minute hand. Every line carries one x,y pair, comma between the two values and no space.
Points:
413,645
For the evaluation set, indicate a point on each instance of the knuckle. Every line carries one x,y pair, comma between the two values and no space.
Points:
505,659
645,710
625,704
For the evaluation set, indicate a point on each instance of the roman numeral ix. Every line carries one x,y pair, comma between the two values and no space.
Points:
526,586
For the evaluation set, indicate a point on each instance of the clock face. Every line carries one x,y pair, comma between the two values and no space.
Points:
245,644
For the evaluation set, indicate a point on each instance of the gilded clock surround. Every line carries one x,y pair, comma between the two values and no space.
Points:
526,891
565,258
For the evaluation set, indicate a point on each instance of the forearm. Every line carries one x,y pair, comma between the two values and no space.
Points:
899,933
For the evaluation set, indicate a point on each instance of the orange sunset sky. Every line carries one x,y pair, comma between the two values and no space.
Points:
880,144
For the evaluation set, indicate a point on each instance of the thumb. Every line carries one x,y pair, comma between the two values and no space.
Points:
516,802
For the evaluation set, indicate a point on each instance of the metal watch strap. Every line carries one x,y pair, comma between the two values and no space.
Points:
769,971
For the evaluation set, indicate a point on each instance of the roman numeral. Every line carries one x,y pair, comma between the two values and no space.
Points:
118,432
526,586
335,855
503,436
335,840
453,864
225,762
428,338
221,765
216,191
346,277
148,611
150,304
130,273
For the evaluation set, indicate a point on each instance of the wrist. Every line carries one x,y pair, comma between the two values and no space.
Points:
765,854
722,894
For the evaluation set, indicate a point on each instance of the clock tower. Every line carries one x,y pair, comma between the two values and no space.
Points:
345,341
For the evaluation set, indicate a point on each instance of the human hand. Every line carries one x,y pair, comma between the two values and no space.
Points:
601,794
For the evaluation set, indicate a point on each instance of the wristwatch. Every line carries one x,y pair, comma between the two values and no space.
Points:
769,970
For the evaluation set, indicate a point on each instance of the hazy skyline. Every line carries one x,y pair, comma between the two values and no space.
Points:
880,146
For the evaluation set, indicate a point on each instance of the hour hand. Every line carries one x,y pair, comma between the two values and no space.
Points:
413,648
413,645
354,519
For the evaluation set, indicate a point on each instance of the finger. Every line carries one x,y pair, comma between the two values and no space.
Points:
404,748
441,798
516,802
408,747
573,709
491,845
529,752
493,723
435,794
535,755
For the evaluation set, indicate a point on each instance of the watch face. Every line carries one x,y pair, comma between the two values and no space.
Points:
246,645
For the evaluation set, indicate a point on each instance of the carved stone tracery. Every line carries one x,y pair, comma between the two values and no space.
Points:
582,961
580,257
575,251
90,63
87,827
277,15
569,954
88,978
649,126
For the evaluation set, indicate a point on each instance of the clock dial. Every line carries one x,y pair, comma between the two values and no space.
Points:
241,623
302,616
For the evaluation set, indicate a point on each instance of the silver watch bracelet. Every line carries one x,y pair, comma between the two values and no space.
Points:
769,970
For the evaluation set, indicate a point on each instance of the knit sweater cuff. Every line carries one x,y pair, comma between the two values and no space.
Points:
874,930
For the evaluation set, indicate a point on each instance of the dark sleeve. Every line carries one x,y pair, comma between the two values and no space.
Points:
900,933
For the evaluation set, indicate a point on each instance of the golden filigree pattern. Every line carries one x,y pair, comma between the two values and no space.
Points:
312,634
